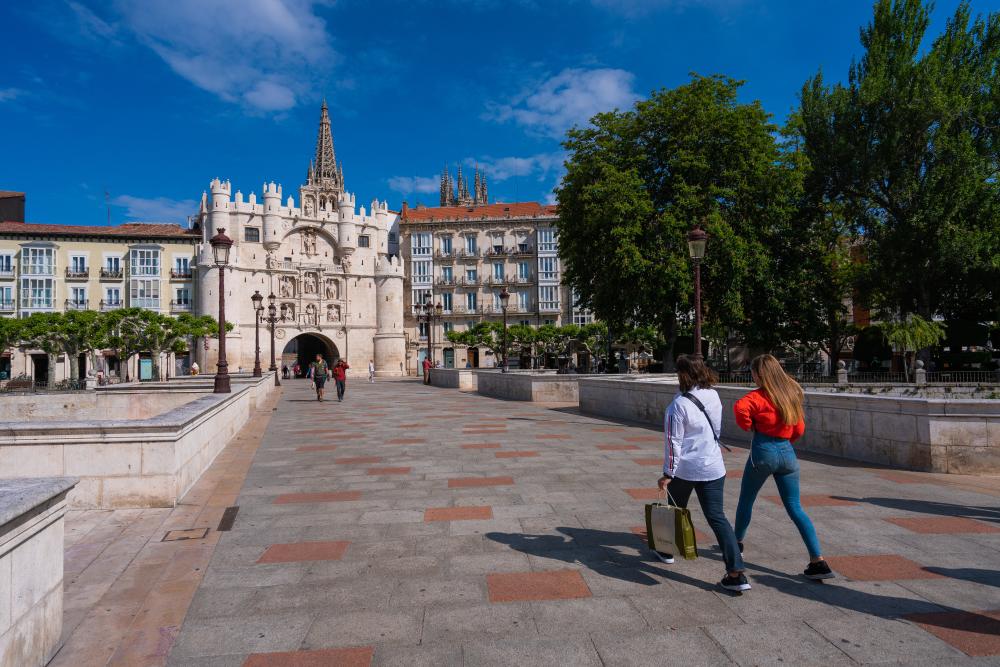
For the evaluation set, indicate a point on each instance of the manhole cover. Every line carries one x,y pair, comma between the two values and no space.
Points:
186,534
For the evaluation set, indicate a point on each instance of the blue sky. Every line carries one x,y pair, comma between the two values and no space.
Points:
150,99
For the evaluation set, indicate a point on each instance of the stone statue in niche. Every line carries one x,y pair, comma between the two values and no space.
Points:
309,242
308,207
287,287
311,314
309,283
346,263
332,289
290,310
271,261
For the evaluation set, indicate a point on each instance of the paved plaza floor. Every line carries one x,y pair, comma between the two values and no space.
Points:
414,525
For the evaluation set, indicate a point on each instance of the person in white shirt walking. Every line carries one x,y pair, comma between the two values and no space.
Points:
371,371
692,460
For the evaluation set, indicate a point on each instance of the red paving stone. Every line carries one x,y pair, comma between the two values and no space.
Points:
944,525
358,459
326,657
645,494
485,445
317,448
552,436
388,471
814,501
522,586
619,448
484,431
470,513
643,438
901,477
296,552
468,482
649,462
975,633
514,455
609,429
321,497
406,441
882,567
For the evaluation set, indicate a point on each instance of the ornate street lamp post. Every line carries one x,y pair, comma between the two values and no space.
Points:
272,319
221,245
504,300
258,312
697,239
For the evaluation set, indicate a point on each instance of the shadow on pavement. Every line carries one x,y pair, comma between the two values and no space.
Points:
598,551
991,514
975,575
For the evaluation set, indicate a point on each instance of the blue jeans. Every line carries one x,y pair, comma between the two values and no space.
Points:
341,388
710,496
772,456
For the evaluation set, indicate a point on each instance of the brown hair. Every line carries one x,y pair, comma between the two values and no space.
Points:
692,372
784,392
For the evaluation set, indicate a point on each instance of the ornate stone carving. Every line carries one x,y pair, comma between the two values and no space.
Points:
333,313
308,207
332,289
309,242
271,261
309,285
279,333
311,315
286,287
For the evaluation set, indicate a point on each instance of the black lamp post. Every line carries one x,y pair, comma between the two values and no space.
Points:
504,300
429,313
272,319
697,239
258,312
221,245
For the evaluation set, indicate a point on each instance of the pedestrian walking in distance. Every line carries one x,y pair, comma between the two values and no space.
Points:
427,370
319,372
371,371
692,460
340,377
775,414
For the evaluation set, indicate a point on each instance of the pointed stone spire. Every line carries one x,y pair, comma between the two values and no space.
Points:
445,198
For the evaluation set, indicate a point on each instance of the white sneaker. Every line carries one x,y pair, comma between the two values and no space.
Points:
666,558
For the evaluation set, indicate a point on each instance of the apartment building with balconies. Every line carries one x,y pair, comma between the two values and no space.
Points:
462,257
57,268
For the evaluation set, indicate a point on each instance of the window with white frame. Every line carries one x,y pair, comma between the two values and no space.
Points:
498,270
7,297
523,271
471,246
470,301
446,274
497,303
78,264
145,262
446,245
548,268
548,297
364,241
446,301
420,244
422,328
182,266
113,264
582,317
523,300
38,261
471,275
447,326
182,296
78,297
7,264
112,296
144,293
37,293
421,272
419,297
251,234
546,240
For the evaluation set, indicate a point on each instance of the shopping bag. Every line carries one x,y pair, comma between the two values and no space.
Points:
669,530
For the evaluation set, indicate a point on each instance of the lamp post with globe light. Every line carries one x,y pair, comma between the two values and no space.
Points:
697,239
221,245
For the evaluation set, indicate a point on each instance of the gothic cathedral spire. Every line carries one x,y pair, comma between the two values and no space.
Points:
325,178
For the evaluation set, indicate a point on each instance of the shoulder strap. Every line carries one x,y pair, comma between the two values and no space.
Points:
694,399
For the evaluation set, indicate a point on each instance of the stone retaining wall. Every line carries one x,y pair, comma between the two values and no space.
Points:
956,436
463,379
130,464
529,386
31,568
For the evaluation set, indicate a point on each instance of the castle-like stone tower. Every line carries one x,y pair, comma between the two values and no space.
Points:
326,263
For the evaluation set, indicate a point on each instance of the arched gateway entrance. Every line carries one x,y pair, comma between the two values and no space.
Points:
304,348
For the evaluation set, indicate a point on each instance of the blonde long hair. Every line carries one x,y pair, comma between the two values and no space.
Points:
784,392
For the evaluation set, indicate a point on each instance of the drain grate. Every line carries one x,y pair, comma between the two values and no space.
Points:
186,534
228,518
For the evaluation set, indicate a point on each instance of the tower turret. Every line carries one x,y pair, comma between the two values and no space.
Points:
381,210
346,231
272,216
389,341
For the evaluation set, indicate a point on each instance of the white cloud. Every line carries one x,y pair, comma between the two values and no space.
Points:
90,25
569,98
537,167
158,209
252,52
415,184
10,94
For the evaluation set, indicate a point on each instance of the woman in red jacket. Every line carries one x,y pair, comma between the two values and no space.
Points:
775,414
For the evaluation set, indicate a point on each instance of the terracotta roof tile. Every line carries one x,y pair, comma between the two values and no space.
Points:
4,194
128,230
530,209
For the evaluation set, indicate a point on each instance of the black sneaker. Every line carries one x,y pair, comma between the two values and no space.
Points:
740,545
819,570
737,583
664,557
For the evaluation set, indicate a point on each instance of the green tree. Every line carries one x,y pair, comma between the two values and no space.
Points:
638,181
160,334
72,333
908,151
912,334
